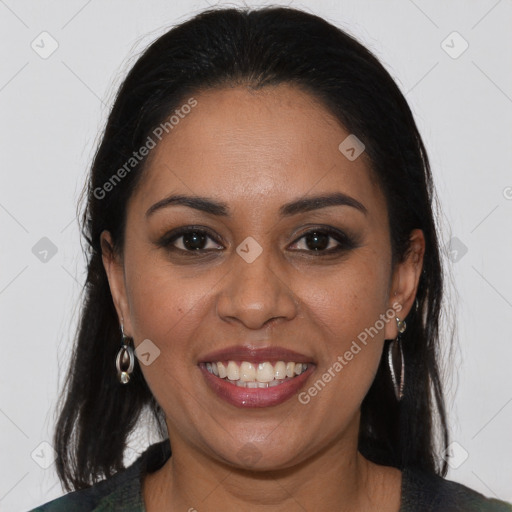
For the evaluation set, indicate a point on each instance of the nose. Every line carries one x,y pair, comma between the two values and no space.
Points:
255,294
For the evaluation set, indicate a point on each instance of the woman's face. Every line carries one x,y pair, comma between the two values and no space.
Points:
259,282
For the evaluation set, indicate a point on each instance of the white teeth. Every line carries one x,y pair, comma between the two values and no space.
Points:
222,370
280,370
247,372
233,372
265,372
261,375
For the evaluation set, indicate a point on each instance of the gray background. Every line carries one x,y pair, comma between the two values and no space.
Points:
54,108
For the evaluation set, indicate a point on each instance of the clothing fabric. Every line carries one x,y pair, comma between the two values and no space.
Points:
421,492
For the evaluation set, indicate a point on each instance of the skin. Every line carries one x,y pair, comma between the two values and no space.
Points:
256,150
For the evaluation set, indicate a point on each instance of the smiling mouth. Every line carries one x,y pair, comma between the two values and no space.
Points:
255,375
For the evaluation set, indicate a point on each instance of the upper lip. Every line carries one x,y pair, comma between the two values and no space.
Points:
255,355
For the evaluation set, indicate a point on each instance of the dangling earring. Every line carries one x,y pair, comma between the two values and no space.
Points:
394,351
125,360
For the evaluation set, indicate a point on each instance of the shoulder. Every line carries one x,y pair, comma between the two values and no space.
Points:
121,491
120,487
432,493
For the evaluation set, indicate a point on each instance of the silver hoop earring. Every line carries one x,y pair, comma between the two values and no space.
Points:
395,351
125,360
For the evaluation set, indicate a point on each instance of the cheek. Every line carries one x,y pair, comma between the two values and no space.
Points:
349,299
349,309
167,311
164,307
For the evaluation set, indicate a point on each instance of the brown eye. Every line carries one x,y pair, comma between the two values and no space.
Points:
317,240
326,240
194,240
189,240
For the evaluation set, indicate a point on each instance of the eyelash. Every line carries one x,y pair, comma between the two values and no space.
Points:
345,242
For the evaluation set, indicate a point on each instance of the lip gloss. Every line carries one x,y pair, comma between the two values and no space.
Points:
255,397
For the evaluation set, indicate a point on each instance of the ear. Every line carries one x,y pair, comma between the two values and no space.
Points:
114,269
405,280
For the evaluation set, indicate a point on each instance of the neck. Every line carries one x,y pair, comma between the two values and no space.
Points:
338,478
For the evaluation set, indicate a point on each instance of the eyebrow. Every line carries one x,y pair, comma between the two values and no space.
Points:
295,207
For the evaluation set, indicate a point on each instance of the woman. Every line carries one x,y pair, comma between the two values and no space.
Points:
264,277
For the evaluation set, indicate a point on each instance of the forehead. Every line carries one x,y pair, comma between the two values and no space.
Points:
258,147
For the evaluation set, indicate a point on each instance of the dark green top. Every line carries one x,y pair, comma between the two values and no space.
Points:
421,492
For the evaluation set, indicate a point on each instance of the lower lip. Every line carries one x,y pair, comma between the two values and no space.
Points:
255,397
